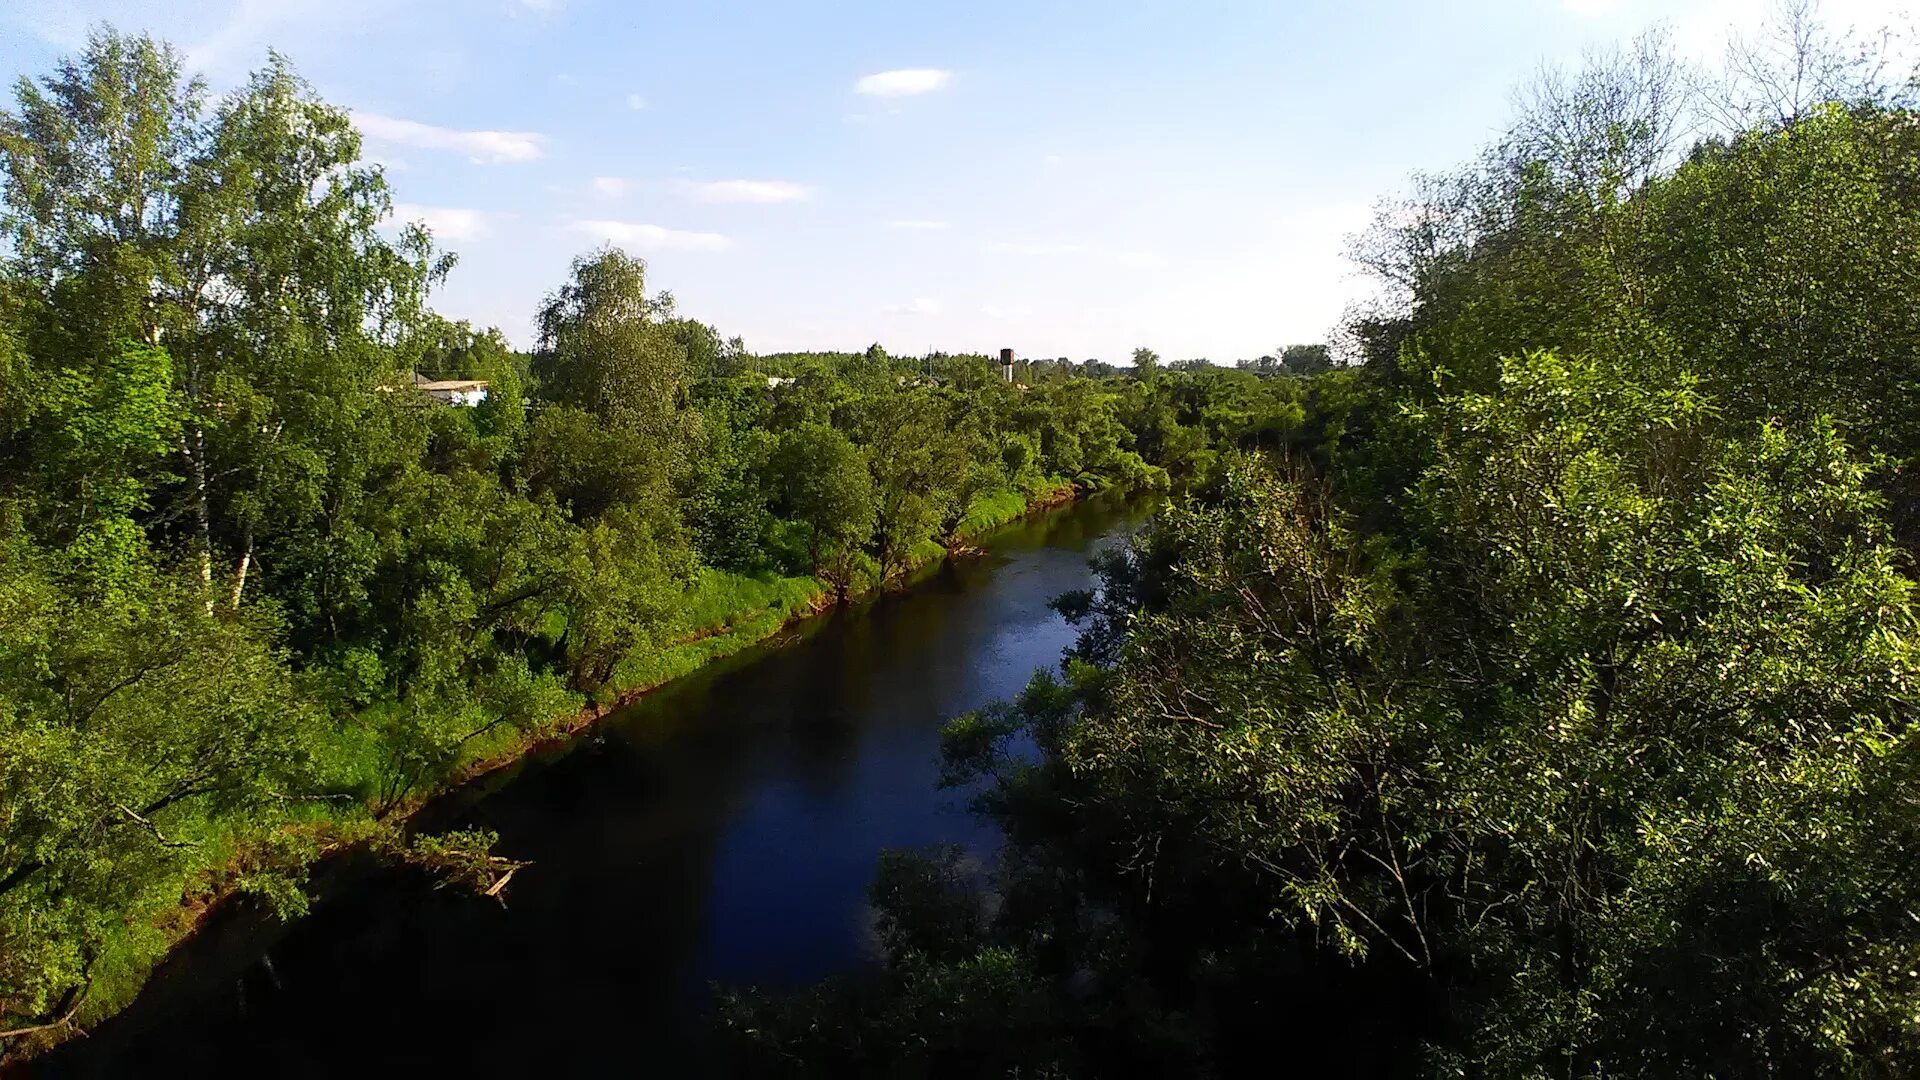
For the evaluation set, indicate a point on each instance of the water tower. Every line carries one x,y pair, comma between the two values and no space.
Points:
1006,363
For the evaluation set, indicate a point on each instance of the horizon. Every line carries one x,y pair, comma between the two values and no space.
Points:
949,181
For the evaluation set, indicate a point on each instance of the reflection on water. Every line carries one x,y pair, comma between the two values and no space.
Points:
723,829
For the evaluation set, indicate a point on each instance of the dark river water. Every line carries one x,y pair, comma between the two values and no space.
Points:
724,829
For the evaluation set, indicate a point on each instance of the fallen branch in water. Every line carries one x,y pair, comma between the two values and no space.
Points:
494,889
465,857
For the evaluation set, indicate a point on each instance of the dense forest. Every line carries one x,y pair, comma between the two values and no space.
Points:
259,595
1555,717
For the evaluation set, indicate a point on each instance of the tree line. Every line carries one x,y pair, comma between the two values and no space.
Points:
258,596
1554,716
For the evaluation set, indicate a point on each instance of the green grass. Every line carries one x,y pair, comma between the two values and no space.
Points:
992,510
720,598
1006,505
724,613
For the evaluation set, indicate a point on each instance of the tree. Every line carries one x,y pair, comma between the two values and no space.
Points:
241,249
1146,363
621,431
1305,359
823,484
605,348
911,457
622,580
588,468
126,734
708,357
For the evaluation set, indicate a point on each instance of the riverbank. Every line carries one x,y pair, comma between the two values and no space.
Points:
722,829
273,866
770,608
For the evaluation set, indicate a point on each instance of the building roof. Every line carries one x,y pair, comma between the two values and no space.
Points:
449,384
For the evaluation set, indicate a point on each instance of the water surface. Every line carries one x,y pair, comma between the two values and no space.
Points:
722,829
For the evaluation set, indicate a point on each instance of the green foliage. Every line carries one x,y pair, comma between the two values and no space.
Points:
604,348
127,731
1535,702
822,480
259,597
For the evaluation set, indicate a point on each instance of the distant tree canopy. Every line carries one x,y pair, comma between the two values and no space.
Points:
1292,360
1305,359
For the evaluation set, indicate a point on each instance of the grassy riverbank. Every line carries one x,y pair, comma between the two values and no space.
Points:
722,613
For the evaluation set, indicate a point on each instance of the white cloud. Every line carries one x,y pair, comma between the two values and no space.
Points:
447,222
918,225
480,147
636,102
919,305
610,186
745,191
651,238
903,82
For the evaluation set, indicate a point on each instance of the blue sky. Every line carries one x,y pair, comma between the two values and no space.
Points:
1062,178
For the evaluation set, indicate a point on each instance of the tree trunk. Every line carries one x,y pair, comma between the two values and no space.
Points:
240,571
193,447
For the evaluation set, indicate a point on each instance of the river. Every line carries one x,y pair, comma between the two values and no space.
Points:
722,829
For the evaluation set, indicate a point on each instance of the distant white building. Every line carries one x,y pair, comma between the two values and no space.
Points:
464,392
775,382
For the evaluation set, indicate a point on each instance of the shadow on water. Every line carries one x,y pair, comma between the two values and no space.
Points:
723,828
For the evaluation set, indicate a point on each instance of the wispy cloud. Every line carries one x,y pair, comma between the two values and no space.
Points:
903,82
610,186
918,225
919,305
447,222
482,147
650,238
636,102
744,191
